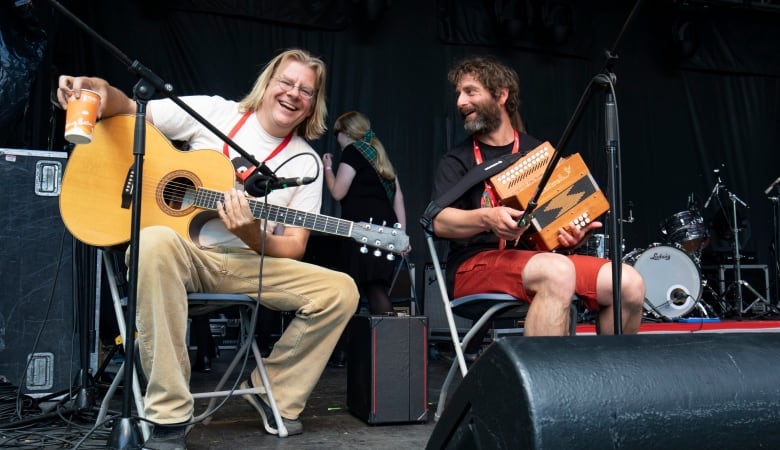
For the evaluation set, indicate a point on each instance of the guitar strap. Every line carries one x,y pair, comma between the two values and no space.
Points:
243,172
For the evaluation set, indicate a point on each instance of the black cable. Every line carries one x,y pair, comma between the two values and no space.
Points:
259,184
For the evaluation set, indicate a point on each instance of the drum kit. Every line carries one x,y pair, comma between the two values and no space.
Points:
671,269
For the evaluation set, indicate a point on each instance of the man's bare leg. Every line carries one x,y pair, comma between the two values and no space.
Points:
551,279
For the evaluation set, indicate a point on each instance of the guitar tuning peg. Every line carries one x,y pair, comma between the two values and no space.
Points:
397,226
391,257
377,253
363,249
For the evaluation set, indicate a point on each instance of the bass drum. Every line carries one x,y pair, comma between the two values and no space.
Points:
672,279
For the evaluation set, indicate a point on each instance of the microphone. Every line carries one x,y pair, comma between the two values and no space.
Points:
258,185
771,186
281,183
610,118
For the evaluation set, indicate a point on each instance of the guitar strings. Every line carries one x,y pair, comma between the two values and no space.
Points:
180,195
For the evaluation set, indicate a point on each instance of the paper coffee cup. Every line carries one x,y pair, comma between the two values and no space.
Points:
81,116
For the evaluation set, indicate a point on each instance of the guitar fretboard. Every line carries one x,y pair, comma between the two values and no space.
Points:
207,199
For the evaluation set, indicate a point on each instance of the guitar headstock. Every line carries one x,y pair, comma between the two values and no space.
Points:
392,240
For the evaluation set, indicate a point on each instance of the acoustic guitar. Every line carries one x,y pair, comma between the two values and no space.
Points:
180,190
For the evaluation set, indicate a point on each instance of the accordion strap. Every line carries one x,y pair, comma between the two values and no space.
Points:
477,174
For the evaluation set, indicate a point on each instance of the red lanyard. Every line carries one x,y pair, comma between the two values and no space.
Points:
478,157
233,132
488,186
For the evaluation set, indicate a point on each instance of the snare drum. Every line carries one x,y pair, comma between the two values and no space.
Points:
686,229
672,280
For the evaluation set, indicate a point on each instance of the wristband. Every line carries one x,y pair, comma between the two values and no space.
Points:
328,168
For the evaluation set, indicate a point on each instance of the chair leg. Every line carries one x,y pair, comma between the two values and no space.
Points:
207,414
137,398
136,384
445,387
271,400
475,330
477,339
248,343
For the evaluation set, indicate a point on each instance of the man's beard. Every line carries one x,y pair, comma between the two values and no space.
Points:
487,119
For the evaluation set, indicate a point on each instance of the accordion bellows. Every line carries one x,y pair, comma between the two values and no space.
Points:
571,197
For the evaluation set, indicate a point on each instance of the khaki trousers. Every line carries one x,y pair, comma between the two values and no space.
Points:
170,266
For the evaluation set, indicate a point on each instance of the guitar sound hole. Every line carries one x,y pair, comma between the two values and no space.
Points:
179,194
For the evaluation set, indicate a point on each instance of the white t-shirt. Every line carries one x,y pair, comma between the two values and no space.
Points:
177,124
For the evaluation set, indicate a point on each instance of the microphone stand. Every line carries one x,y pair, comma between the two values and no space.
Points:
605,77
775,237
125,434
737,257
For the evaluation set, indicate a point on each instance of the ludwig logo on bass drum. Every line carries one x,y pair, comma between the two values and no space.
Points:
659,256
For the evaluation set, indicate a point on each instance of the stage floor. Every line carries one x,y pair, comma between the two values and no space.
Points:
327,421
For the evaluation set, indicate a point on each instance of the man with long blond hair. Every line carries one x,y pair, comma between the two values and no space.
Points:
285,107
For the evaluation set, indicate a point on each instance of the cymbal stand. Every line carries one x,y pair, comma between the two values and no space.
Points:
775,237
739,283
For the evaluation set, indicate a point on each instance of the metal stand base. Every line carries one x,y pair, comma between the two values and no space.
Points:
125,435
759,299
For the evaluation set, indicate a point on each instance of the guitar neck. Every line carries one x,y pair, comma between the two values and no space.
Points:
207,199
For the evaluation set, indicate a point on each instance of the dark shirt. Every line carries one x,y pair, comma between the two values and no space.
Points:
452,168
365,200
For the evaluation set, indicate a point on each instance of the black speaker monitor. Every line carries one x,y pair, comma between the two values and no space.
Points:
629,392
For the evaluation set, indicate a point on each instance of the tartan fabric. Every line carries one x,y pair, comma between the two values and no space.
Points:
370,153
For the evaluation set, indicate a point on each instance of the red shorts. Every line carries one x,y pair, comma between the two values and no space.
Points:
501,271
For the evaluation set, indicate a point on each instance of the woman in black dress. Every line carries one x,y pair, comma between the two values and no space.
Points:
366,185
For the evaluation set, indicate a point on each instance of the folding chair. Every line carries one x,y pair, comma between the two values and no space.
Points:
482,308
200,303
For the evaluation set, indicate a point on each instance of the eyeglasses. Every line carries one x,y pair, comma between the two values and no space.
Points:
287,85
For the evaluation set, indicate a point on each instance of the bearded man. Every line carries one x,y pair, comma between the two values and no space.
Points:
482,232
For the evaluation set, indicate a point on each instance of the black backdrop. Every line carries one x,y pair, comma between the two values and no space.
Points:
684,110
